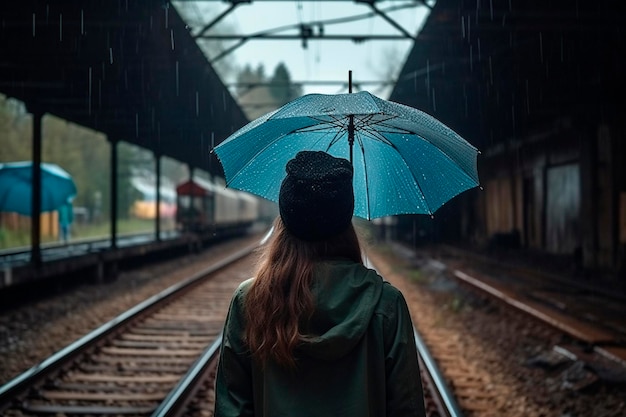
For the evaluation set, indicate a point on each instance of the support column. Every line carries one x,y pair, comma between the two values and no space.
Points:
114,170
158,196
35,212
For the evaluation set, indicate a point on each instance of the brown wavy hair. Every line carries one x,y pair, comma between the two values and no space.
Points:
279,301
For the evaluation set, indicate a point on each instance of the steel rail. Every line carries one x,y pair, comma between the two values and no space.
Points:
174,404
447,396
11,389
450,405
177,399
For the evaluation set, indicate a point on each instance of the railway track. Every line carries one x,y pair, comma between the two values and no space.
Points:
470,390
591,314
159,359
130,365
440,399
554,336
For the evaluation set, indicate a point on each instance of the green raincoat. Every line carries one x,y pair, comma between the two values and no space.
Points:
362,360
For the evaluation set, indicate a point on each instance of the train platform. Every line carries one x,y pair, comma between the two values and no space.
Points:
589,307
96,257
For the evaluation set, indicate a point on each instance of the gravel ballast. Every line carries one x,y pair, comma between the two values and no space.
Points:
488,338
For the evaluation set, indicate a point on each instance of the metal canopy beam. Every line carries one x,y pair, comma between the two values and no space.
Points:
308,31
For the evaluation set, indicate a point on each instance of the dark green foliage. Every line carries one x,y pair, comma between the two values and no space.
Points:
281,87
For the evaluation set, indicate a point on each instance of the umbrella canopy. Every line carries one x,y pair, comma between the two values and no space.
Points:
16,185
405,161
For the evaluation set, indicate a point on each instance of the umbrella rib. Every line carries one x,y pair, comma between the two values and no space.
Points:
234,177
419,188
323,124
316,128
421,191
425,139
379,133
392,129
367,193
334,140
362,124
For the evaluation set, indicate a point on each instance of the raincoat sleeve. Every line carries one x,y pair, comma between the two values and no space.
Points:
405,396
233,384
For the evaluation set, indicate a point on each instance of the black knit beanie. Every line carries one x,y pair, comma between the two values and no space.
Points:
316,198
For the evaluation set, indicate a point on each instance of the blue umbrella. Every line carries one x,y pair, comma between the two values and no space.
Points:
405,161
16,184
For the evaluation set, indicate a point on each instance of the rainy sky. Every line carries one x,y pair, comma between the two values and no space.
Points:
324,59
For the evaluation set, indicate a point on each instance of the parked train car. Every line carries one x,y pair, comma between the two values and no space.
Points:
204,207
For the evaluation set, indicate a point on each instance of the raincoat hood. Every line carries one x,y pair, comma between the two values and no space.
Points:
345,296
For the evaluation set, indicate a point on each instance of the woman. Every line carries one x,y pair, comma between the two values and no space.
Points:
316,333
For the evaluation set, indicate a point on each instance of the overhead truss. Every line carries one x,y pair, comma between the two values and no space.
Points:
308,31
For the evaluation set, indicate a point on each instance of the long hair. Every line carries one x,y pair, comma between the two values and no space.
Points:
279,301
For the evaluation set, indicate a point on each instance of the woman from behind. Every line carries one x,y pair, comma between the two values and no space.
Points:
316,333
